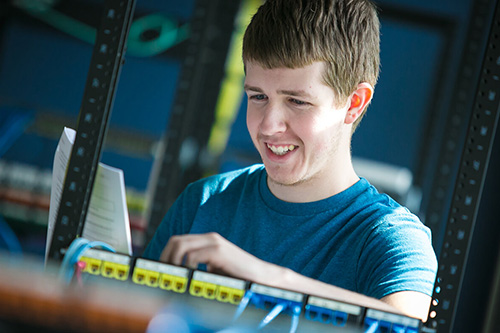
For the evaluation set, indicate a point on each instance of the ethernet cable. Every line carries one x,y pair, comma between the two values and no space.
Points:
272,314
295,318
73,254
373,327
398,329
243,304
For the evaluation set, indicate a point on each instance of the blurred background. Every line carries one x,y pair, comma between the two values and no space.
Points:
170,127
45,51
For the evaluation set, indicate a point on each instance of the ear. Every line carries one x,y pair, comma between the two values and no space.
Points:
359,100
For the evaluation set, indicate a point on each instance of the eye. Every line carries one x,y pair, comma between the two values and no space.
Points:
297,102
259,97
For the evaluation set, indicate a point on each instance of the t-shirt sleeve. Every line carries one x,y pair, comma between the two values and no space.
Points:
397,256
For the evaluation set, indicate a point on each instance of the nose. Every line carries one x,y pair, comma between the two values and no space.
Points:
273,120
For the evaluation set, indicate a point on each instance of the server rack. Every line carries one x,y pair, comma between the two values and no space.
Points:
97,105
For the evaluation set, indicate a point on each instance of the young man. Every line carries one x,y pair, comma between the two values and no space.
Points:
304,220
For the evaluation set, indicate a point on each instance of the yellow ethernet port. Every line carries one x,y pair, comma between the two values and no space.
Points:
180,285
223,296
121,272
93,266
237,296
230,295
209,290
107,269
139,276
196,288
174,283
152,279
166,281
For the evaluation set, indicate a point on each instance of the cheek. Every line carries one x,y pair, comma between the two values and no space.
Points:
329,119
322,132
252,122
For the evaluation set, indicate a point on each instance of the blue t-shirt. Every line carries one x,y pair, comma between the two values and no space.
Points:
359,239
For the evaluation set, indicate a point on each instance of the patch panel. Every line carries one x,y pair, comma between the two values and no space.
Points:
391,323
155,274
332,312
213,286
266,297
108,264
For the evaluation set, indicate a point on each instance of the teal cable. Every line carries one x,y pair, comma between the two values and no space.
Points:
169,33
73,254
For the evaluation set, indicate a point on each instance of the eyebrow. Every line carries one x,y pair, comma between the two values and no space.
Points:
298,93
248,87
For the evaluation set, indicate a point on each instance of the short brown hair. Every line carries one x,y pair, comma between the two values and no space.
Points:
345,34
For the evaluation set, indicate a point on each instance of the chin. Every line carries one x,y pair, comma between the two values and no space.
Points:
283,180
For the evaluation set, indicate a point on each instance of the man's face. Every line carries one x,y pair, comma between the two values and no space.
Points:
294,123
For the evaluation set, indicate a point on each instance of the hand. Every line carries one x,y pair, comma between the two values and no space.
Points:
220,256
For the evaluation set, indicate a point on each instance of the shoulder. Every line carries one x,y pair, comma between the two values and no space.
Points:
226,182
396,252
382,210
387,222
395,219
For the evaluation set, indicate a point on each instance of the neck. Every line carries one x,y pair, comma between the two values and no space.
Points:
322,186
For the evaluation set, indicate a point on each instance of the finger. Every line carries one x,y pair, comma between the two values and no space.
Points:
221,257
180,246
204,255
174,251
166,254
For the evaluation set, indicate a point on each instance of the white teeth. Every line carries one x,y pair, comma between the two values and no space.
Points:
281,150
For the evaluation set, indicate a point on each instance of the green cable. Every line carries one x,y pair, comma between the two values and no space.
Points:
169,33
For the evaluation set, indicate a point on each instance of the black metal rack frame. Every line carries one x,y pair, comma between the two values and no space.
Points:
469,184
105,66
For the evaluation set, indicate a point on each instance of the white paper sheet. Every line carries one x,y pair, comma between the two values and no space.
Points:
107,217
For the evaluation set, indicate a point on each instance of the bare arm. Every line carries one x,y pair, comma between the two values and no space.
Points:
222,256
411,303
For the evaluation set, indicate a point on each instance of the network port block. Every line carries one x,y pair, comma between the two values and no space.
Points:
107,264
155,274
221,288
386,322
337,313
266,297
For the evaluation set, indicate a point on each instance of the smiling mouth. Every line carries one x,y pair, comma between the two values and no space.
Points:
280,150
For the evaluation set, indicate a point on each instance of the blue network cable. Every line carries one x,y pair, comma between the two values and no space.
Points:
73,254
243,304
373,327
295,318
398,329
272,314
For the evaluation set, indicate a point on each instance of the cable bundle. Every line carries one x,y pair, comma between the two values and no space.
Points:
73,254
